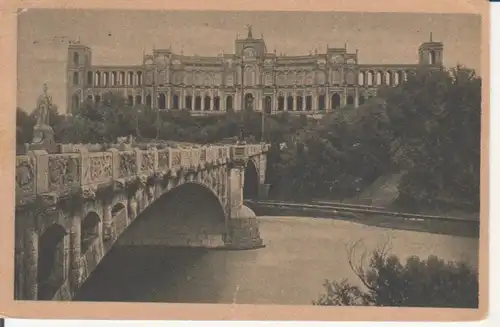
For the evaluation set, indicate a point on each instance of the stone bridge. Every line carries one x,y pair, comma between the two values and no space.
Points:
72,207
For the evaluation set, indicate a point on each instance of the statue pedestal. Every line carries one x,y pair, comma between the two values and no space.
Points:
43,139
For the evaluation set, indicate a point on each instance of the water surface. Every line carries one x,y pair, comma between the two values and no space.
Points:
300,254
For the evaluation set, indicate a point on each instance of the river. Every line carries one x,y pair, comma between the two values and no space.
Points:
300,254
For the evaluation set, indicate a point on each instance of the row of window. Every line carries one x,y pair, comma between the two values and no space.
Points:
290,103
136,79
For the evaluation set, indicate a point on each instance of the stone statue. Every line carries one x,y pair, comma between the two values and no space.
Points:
43,135
43,106
249,31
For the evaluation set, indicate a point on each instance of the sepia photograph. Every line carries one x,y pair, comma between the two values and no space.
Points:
248,157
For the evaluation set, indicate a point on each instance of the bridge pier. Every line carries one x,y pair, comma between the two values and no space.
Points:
31,264
243,227
75,254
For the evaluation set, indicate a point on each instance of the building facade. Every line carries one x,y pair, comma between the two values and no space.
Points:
252,78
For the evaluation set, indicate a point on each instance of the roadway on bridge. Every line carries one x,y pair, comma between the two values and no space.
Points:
300,254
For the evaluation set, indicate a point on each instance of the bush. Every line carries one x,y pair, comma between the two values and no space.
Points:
417,283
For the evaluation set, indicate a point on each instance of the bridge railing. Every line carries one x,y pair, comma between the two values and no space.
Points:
38,172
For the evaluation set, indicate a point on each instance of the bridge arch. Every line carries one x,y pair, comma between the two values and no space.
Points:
89,231
190,214
52,265
251,181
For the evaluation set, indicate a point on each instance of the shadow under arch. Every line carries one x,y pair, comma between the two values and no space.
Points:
190,214
51,265
89,230
251,181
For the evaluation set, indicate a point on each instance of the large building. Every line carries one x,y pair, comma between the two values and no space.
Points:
251,78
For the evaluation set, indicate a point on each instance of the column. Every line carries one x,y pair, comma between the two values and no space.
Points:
356,97
315,101
222,101
327,99
182,99
168,99
75,253
294,101
31,264
193,97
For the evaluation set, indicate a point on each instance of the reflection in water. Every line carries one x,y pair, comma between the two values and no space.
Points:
300,254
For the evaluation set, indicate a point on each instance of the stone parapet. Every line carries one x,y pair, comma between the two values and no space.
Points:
39,172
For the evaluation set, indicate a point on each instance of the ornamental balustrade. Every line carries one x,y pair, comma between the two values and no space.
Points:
39,172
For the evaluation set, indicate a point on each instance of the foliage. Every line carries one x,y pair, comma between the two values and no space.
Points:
436,119
414,127
417,283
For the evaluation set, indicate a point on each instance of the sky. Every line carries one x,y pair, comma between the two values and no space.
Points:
120,37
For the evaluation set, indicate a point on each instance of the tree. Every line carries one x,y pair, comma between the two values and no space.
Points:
435,117
417,283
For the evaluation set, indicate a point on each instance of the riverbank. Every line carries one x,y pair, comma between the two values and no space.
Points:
444,227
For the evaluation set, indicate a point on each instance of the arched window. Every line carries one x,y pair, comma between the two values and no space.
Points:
281,103
268,104
139,78
75,78
149,100
350,100
388,78
321,102
76,58
97,78
369,78
161,101
361,78
336,77
106,79
321,77
335,100
89,78
299,103
350,78
189,102
249,76
378,76
130,78
432,57
216,103
130,100
175,104
309,102
138,99
197,103
289,103
207,102
229,102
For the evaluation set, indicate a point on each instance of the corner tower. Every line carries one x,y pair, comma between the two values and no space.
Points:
431,53
79,76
